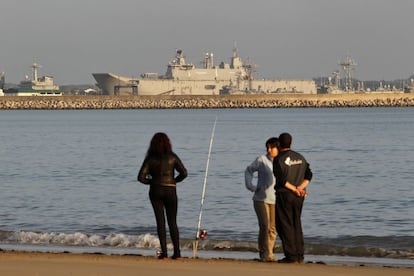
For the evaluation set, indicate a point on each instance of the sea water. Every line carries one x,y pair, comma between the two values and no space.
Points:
68,179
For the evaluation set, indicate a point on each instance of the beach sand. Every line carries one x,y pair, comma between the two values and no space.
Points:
56,264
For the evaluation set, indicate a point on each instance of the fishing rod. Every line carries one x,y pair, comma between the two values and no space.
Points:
203,193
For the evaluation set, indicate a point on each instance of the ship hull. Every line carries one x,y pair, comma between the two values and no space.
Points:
112,84
31,92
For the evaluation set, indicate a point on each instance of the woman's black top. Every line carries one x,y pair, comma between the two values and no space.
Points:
160,170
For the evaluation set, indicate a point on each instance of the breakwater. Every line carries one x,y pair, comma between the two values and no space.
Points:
222,101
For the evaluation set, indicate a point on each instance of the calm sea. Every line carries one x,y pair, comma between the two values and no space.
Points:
68,179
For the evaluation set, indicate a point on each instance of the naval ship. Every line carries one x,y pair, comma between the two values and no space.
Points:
182,78
336,85
37,86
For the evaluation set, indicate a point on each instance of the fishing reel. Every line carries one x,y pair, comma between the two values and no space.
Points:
203,234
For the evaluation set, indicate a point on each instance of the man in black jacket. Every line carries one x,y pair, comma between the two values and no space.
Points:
293,175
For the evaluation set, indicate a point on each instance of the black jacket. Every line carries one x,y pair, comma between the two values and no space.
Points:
160,170
290,166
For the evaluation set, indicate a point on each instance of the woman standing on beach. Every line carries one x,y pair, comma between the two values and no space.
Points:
264,198
158,171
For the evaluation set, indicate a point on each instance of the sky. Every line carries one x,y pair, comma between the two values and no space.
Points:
285,39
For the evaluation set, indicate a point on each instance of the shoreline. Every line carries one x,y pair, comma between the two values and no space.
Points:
207,102
45,264
187,253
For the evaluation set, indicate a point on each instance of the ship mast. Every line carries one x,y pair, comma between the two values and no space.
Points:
35,66
2,80
337,77
348,66
250,68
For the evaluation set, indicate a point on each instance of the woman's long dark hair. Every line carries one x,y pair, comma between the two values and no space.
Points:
160,144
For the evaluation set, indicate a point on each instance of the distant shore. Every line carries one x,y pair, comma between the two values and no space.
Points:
204,102
45,264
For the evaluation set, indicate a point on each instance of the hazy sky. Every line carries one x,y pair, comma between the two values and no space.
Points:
295,39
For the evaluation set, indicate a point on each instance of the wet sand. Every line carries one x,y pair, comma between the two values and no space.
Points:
48,264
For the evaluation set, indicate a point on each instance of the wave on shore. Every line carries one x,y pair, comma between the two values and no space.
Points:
360,246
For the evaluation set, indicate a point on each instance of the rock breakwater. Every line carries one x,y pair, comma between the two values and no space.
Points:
203,102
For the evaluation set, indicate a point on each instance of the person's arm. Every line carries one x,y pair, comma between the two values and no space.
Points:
302,188
182,171
299,190
277,172
248,175
304,184
143,174
306,181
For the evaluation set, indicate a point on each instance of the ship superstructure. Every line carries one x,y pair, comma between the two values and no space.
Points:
335,84
182,78
37,86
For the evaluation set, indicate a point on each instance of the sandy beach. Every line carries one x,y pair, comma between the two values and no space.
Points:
45,264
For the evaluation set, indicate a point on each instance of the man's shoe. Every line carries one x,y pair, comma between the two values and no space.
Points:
176,257
162,256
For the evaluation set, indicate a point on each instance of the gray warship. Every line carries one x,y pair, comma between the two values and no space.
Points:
182,78
37,86
336,85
